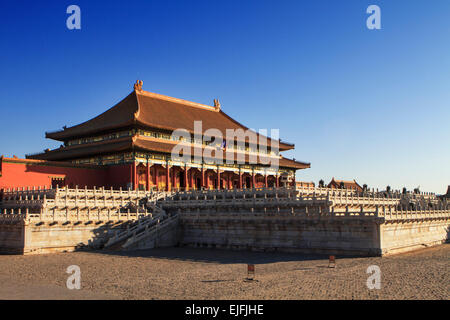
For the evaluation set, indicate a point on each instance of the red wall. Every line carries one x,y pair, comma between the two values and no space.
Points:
118,176
17,175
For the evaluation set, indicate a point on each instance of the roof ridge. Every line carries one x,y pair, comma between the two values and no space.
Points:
346,181
176,100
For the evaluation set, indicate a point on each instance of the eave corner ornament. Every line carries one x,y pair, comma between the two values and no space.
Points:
138,85
217,104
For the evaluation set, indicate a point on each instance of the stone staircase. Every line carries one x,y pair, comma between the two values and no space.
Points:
149,226
161,233
137,227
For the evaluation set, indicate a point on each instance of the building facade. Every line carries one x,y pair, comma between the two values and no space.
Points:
343,184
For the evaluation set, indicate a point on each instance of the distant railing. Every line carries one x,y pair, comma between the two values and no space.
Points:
244,202
100,215
404,215
373,193
27,190
233,192
285,194
320,213
65,192
104,215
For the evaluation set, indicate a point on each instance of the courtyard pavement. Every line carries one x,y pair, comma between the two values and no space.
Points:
185,273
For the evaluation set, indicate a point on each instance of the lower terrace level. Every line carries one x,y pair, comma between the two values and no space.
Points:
39,221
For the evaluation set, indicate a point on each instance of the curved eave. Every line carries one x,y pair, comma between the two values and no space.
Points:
64,136
120,115
292,164
84,150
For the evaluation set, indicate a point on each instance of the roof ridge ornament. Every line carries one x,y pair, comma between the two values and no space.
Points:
217,104
138,85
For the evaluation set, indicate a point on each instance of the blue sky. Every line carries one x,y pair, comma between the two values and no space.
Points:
373,105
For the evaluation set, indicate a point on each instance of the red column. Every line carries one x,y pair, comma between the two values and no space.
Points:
155,171
253,180
219,182
186,183
240,180
147,177
133,176
204,179
167,178
207,179
192,180
174,178
136,184
230,180
265,181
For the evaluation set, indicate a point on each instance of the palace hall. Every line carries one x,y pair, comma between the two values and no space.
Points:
129,146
